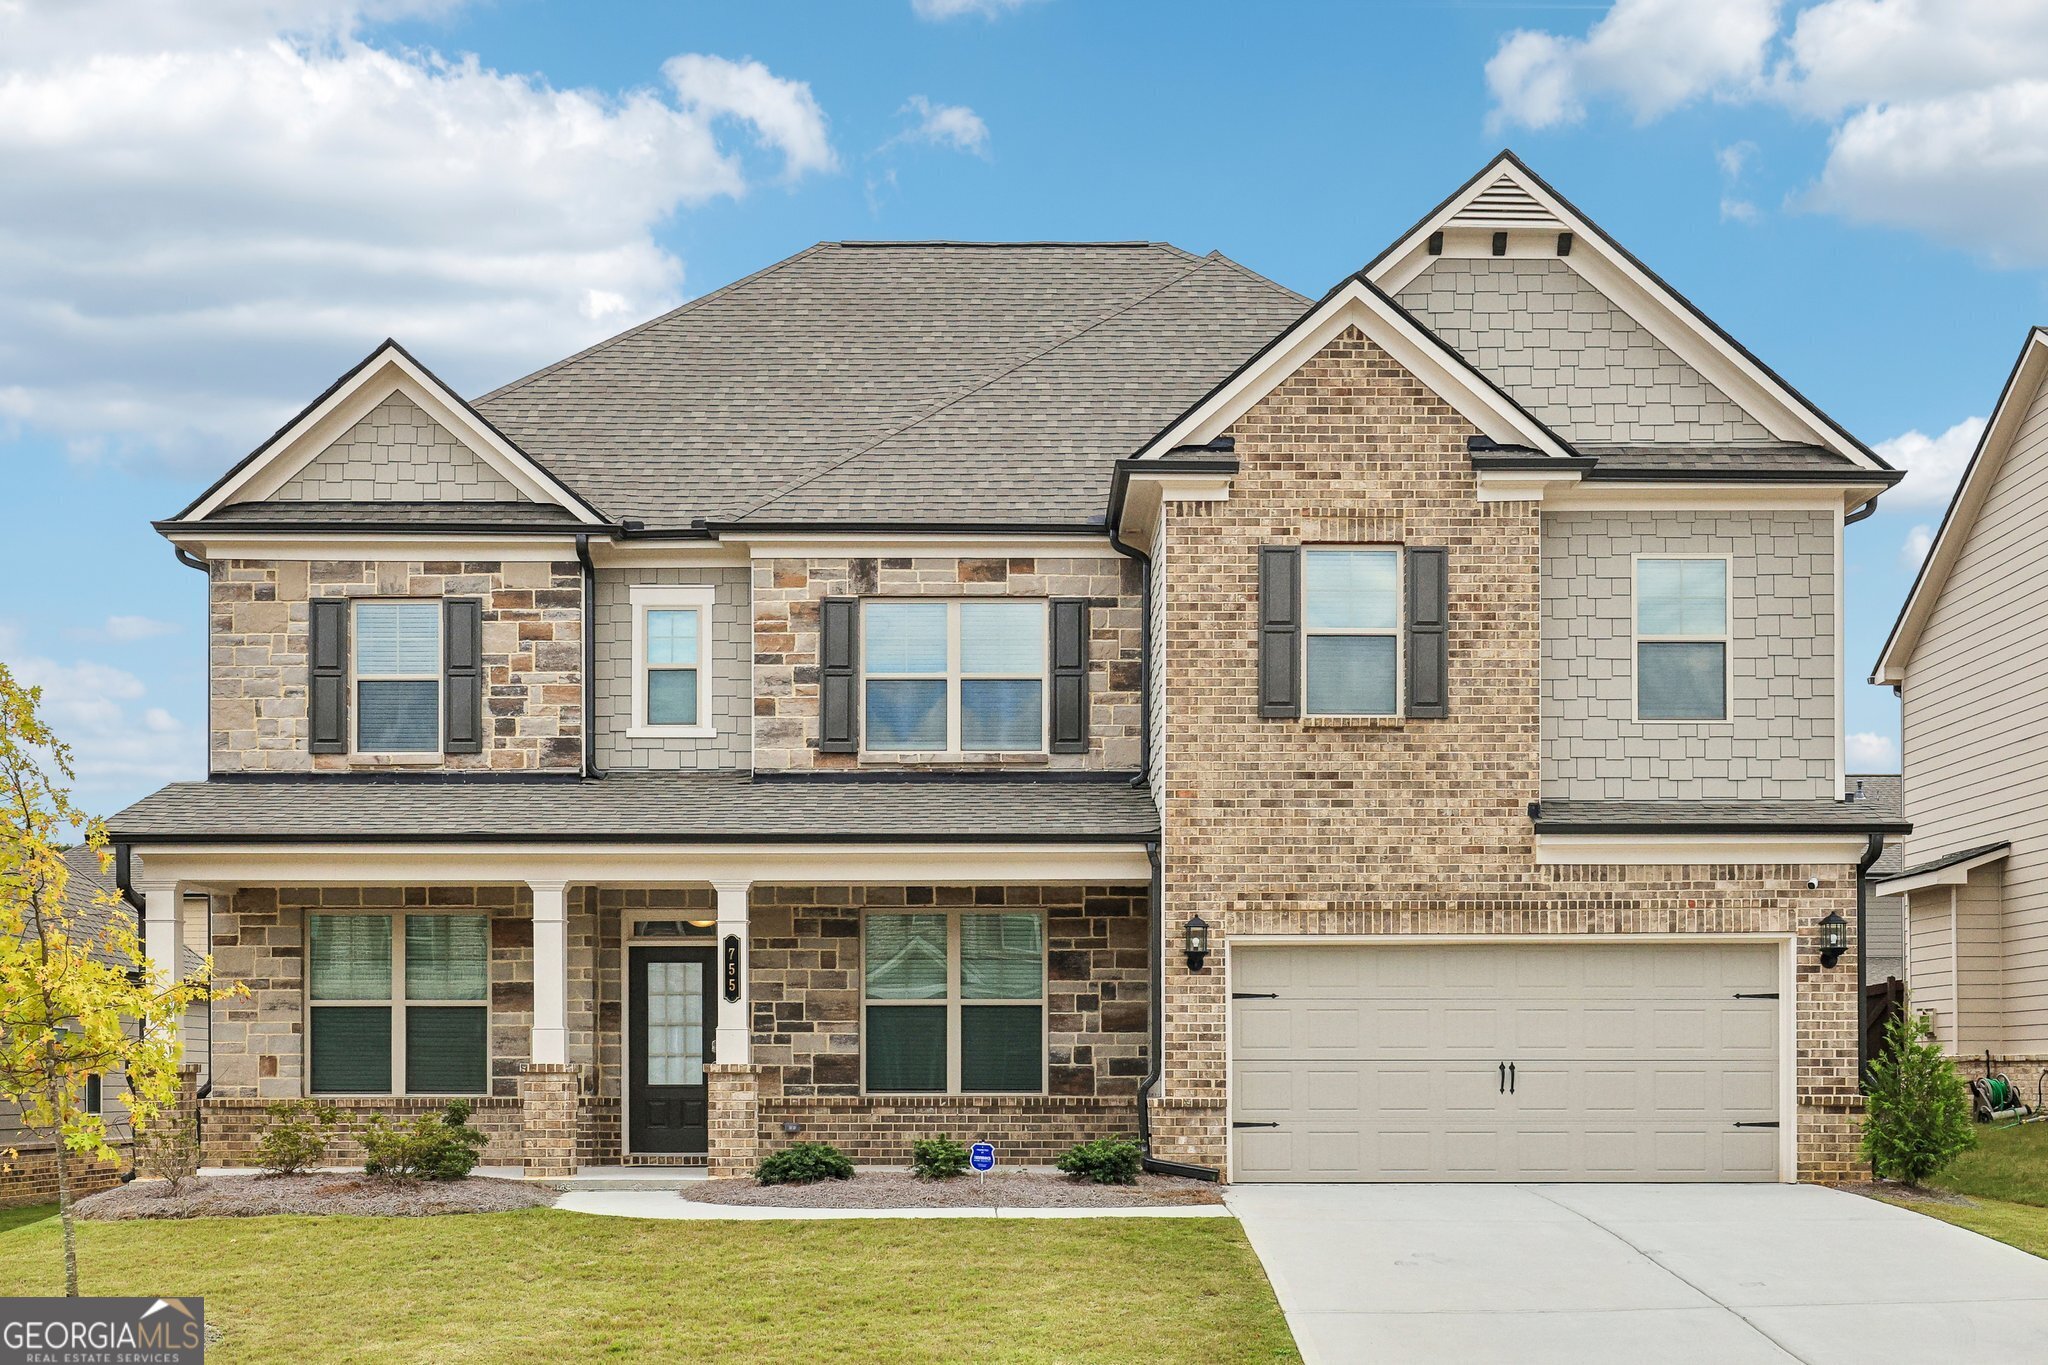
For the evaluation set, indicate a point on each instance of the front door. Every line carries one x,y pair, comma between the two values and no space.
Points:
671,1009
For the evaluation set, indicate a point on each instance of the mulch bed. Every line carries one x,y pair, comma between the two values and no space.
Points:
260,1196
900,1190
1893,1191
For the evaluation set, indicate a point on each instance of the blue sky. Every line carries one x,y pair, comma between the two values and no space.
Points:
218,214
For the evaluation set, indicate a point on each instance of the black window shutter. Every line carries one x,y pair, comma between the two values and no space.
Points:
1070,675
1429,600
1279,630
838,644
327,675
462,665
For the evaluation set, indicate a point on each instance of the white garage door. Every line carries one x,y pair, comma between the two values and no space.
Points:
1505,1062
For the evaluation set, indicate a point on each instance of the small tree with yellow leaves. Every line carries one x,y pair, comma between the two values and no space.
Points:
77,996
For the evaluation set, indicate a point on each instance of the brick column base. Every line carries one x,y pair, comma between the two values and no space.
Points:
547,1098
735,1119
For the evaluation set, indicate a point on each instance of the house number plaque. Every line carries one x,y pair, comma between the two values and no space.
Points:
732,969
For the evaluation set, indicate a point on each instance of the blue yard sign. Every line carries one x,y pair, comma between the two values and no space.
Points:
982,1156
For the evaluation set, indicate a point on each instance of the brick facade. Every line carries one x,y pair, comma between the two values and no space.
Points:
29,1176
1403,826
532,657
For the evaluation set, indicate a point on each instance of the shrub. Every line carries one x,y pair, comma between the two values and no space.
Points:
297,1137
432,1147
1106,1161
804,1163
169,1148
937,1158
1918,1114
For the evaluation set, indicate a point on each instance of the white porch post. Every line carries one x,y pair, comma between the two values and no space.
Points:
550,973
162,931
735,1032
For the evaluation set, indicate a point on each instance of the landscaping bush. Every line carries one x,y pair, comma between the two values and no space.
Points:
1917,1119
168,1147
937,1158
297,1137
804,1163
432,1147
1106,1161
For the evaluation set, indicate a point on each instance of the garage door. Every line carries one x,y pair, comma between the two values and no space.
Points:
1505,1062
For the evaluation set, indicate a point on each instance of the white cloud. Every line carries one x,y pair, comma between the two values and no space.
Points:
124,629
954,9
1913,551
116,744
1843,54
1652,55
953,126
1933,464
211,209
1870,752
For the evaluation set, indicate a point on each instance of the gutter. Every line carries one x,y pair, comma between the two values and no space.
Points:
1870,857
1156,1053
590,768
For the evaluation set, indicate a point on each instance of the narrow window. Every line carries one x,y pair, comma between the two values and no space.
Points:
671,644
1682,639
1351,631
954,677
955,1002
92,1094
403,997
398,677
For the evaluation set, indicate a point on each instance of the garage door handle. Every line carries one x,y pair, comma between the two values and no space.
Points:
1503,1078
1254,995
1511,1078
1254,1125
1756,995
1770,1123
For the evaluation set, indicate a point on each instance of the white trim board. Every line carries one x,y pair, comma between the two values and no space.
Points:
1672,850
1955,874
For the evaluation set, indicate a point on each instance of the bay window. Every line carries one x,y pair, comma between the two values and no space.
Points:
954,1002
398,997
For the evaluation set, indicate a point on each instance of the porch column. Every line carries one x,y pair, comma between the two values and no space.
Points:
550,973
735,1027
162,931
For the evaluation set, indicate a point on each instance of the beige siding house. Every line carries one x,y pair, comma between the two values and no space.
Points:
1967,661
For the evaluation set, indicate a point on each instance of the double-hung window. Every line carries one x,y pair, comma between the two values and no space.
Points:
1351,631
1682,638
398,997
954,677
954,1002
671,644
398,677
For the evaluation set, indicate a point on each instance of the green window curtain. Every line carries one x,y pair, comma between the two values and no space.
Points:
1000,1048
447,1049
906,957
1002,957
349,957
351,1047
907,1047
447,957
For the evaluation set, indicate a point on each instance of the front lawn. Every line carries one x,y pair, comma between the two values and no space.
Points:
548,1286
2007,1176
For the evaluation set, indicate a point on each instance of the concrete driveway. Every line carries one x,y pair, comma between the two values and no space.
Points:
1639,1273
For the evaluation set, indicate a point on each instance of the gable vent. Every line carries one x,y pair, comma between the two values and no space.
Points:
1504,204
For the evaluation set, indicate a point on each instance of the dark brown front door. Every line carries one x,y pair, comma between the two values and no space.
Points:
672,1008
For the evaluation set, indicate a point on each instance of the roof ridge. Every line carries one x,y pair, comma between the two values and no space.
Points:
925,416
869,243
1267,280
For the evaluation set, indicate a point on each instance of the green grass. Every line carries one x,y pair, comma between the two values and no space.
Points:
2021,1225
546,1286
2009,1164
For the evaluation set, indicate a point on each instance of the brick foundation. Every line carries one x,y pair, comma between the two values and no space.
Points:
232,1126
1027,1130
30,1175
735,1118
548,1095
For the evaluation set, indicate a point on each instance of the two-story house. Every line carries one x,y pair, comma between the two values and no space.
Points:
1035,692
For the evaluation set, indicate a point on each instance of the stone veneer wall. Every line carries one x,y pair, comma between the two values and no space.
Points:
533,658
786,597
1778,742
725,675
1397,826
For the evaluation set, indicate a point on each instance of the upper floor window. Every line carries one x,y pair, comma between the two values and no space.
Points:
671,646
1682,638
398,997
1351,631
398,677
954,677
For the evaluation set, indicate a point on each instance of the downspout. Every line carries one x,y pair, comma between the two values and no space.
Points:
590,768
1860,513
1117,543
1870,856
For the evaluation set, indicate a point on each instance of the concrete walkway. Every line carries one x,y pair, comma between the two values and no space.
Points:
1638,1273
668,1204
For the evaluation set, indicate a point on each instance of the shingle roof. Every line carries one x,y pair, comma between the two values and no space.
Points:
934,382
1624,817
445,515
1951,859
1721,460
640,808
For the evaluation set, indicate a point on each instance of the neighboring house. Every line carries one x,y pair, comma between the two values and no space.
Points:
1966,661
1036,692
1884,917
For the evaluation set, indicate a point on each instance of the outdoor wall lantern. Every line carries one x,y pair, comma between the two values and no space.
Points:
1834,939
1195,939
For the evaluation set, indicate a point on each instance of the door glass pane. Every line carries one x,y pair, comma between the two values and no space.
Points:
1351,589
906,715
906,957
351,1049
447,1050
1000,715
1002,637
398,717
999,1048
1351,675
447,957
1681,681
1001,957
906,1047
675,1023
349,957
672,696
398,637
671,637
905,637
